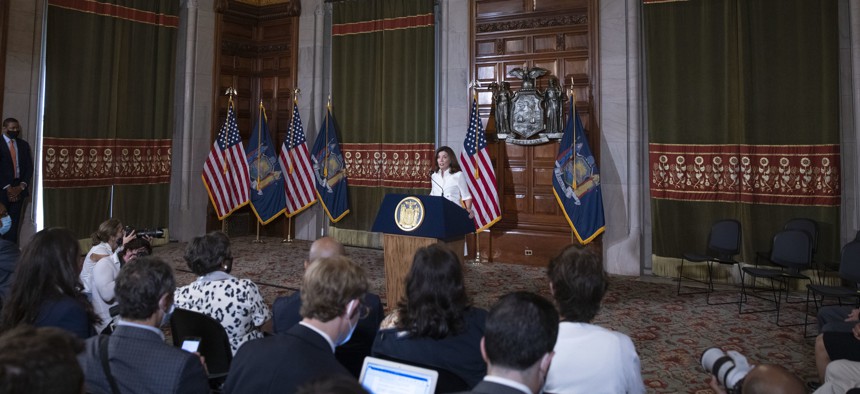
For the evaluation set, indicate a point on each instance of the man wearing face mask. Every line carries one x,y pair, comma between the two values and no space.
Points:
333,290
16,170
9,254
138,359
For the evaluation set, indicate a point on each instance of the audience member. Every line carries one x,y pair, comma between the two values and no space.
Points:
517,345
46,290
434,324
338,384
236,303
16,171
837,318
40,360
135,358
833,345
104,278
332,293
106,240
840,377
9,254
588,358
766,379
286,314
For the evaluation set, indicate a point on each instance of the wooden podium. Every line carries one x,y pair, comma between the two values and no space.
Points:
423,221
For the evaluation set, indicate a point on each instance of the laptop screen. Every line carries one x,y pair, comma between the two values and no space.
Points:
388,377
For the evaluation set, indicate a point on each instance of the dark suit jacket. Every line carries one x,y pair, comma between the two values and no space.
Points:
492,388
285,315
67,313
25,164
460,354
9,253
142,363
7,178
281,363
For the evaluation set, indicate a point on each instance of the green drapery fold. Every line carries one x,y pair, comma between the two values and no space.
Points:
741,73
109,84
383,93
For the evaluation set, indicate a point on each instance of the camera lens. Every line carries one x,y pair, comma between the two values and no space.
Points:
716,361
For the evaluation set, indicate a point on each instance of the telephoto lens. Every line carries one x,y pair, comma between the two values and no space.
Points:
729,369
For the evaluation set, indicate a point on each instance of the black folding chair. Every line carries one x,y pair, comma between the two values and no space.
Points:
724,243
791,252
214,342
849,272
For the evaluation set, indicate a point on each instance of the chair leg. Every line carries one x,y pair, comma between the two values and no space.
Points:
711,287
681,277
774,296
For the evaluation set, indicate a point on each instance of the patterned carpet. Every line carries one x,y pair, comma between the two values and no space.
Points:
670,331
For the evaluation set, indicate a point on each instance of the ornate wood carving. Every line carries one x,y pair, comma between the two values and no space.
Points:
562,38
257,55
532,23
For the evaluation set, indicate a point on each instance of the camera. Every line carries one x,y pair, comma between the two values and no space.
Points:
157,232
730,368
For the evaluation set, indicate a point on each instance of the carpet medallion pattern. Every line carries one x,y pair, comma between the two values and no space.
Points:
670,332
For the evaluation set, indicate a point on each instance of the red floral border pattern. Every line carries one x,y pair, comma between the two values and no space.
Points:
753,174
83,162
389,165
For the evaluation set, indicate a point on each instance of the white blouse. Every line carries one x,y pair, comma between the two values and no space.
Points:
103,248
451,186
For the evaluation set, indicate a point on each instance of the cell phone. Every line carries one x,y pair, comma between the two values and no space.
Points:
190,344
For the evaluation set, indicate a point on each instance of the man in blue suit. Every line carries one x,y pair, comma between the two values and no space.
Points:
16,172
520,334
332,293
285,312
138,358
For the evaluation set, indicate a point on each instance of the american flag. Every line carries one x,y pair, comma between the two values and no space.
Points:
225,172
296,164
479,172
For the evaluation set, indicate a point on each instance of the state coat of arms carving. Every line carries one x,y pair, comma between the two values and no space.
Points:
529,112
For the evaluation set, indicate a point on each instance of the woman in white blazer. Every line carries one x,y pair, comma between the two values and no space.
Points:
448,181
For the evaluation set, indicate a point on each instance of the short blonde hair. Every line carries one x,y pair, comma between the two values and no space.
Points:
329,284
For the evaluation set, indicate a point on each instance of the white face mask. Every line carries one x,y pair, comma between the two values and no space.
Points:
5,224
349,320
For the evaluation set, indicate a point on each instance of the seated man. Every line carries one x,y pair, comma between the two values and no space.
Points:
588,358
104,276
332,294
286,312
518,340
138,358
837,318
40,360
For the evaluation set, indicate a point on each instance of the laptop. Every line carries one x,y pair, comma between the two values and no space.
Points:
389,377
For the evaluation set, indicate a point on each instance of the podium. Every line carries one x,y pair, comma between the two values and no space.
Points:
411,222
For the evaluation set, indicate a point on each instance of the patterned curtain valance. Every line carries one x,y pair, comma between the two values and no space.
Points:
752,174
389,165
82,162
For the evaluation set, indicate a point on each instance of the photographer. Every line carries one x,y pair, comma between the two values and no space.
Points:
104,278
765,379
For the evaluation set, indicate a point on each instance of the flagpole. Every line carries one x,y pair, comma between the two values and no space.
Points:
290,131
259,145
474,92
230,93
573,139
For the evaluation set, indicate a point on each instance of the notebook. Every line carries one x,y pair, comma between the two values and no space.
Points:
389,377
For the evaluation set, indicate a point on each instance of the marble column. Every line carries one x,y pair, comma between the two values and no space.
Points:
849,84
193,108
626,242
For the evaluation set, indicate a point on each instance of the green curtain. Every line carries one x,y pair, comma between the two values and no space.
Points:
383,99
108,112
743,119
